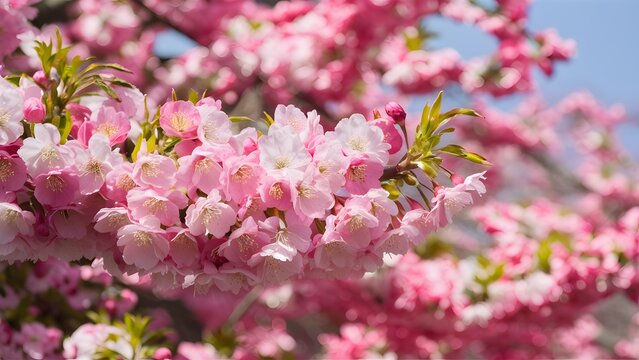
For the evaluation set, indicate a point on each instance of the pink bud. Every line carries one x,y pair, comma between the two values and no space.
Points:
396,111
456,179
34,110
391,134
162,354
40,77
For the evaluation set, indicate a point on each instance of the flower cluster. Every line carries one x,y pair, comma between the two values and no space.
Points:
305,52
190,199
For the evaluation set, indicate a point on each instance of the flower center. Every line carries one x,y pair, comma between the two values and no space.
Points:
150,169
210,132
282,162
357,173
108,129
305,191
6,170
125,183
11,216
142,238
180,122
116,220
50,154
94,167
357,143
4,117
242,174
203,165
246,244
155,205
210,213
355,223
276,191
55,183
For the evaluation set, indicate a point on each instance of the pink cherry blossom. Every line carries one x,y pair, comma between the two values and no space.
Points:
154,171
42,153
10,111
94,163
362,174
180,118
356,136
210,216
111,123
311,195
143,245
110,220
240,176
215,126
164,206
282,154
57,188
14,221
244,242
13,172
200,170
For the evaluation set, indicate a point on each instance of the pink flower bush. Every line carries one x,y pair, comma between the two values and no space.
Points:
185,198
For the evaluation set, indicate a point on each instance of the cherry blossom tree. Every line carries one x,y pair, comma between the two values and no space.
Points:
273,191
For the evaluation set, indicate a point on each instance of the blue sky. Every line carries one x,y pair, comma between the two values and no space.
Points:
607,59
607,35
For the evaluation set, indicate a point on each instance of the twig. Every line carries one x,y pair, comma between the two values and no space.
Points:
243,307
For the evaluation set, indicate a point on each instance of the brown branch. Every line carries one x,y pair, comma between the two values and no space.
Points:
561,177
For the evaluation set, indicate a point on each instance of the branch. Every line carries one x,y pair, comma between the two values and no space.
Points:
561,176
162,20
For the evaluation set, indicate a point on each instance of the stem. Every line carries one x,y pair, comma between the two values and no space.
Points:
561,176
426,201
243,307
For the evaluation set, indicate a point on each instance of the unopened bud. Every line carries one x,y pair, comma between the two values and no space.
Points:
456,179
40,77
162,354
396,111
34,110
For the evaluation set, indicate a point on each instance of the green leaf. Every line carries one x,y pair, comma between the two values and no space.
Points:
447,116
476,158
65,127
150,144
138,146
121,82
453,149
427,167
459,111
146,110
391,187
239,118
269,120
106,88
194,97
436,109
423,124
460,152
96,66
